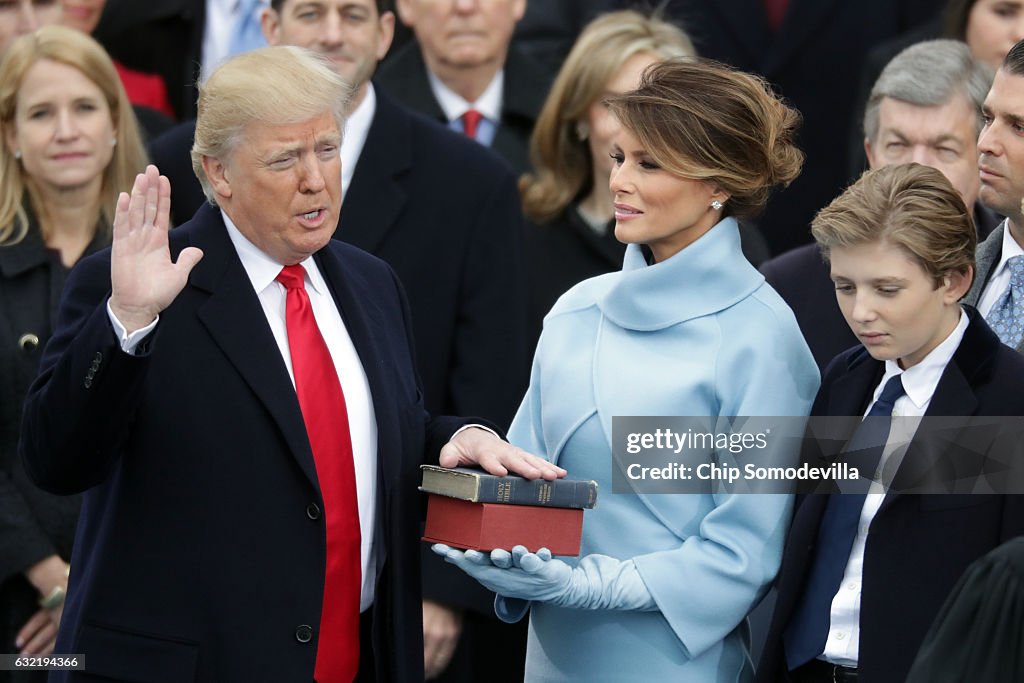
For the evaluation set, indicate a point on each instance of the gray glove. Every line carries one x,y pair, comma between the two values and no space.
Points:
597,582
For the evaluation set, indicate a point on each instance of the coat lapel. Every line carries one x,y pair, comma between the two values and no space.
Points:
954,400
376,197
236,321
988,254
362,320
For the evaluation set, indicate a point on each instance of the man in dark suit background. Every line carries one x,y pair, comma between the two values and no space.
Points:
925,107
181,397
1002,189
460,70
862,577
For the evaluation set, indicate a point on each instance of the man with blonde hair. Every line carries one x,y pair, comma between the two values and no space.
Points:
239,402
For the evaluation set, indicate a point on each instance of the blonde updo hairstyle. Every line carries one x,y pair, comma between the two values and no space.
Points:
706,121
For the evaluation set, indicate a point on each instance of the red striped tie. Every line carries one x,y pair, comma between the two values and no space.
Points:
323,410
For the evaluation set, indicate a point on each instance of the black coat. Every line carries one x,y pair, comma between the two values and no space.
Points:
33,524
404,77
918,545
196,558
561,253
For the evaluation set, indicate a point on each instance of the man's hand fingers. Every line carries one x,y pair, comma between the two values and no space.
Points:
137,203
152,196
518,461
121,216
163,214
187,260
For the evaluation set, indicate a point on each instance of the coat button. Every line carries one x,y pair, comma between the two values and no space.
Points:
313,511
304,633
28,341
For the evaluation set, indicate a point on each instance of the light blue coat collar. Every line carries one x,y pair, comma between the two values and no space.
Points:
691,284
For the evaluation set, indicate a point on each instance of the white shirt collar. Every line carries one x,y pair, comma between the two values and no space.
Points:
357,128
919,381
263,270
454,106
1010,249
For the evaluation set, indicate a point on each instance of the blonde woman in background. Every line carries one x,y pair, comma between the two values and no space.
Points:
70,145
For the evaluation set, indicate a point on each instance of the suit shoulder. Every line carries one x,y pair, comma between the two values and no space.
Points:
792,265
359,259
842,364
1004,378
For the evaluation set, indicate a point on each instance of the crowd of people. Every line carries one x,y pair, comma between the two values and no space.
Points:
260,259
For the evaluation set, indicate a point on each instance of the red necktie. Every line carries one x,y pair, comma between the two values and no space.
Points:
323,410
776,10
470,120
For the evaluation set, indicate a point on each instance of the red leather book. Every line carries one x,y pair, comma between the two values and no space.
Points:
486,526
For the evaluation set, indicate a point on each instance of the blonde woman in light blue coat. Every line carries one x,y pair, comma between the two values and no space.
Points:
663,583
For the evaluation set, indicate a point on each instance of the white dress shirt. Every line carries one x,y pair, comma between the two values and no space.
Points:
919,382
262,271
357,127
1000,280
454,106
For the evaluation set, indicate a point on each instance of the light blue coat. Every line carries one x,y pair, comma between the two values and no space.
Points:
699,334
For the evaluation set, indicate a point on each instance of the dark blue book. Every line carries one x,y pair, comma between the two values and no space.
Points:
478,486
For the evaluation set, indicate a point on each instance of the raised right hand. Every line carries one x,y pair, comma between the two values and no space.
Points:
143,279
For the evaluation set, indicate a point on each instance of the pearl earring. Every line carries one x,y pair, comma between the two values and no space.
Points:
113,142
582,130
17,154
716,205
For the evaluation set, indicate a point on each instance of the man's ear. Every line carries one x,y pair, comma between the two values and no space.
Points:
406,12
270,24
217,175
386,33
519,10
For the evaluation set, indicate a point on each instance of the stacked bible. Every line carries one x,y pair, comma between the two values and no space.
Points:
471,509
